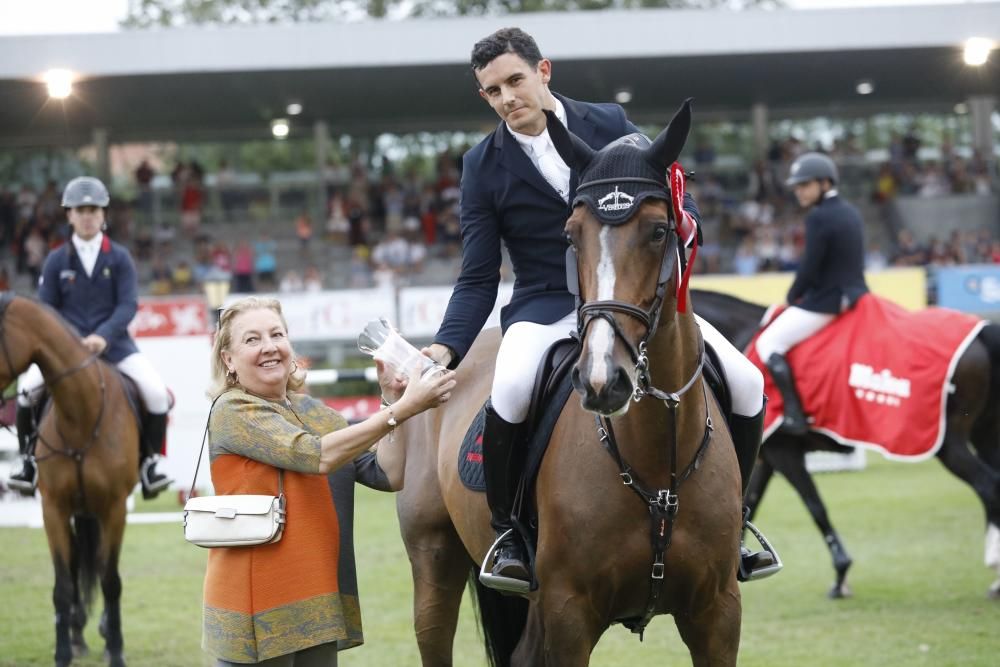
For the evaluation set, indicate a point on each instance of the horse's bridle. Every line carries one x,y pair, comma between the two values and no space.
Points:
589,311
662,504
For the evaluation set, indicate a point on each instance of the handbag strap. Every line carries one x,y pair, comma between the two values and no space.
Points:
201,450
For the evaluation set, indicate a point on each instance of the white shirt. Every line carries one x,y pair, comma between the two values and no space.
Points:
88,251
554,169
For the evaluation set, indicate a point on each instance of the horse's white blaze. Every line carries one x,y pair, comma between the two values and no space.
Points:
992,555
602,337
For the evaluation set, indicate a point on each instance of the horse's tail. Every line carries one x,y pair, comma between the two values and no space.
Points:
502,618
86,541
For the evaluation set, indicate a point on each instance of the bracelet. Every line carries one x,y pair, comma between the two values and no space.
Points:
385,403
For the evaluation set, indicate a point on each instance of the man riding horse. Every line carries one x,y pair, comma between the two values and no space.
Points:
517,190
91,282
829,281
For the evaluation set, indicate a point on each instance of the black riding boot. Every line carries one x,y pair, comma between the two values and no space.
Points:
795,418
153,432
747,433
26,479
502,469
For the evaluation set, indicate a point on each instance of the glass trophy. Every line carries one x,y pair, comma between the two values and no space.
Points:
380,340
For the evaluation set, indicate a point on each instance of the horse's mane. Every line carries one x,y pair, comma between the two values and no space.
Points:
728,298
67,327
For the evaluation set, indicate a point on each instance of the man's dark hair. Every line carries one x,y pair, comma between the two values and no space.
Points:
505,40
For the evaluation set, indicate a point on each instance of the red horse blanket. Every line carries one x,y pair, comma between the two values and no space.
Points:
877,377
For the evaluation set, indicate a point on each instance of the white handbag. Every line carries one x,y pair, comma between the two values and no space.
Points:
236,520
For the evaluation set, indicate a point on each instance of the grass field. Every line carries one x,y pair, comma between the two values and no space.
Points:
916,535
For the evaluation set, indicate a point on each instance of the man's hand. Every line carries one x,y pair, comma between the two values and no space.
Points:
439,353
95,344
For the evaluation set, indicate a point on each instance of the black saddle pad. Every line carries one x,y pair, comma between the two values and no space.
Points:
553,385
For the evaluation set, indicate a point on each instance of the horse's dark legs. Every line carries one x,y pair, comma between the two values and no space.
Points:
787,456
531,649
985,481
78,611
113,529
713,635
57,530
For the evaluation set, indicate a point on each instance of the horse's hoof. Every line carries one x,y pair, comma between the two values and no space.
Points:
839,592
117,660
81,650
994,591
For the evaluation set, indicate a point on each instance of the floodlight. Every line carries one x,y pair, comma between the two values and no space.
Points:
59,83
977,51
294,108
623,96
865,87
280,128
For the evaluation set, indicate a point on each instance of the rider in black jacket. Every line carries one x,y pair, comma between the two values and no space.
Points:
828,282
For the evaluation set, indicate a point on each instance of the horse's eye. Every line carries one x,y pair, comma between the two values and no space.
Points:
659,234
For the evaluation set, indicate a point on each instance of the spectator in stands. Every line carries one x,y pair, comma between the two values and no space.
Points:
192,200
290,282
908,251
829,280
160,277
243,268
312,279
337,225
360,268
35,250
225,182
144,176
265,263
304,232
221,258
392,253
875,259
182,277
262,427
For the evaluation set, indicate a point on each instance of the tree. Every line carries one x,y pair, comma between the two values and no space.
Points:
171,13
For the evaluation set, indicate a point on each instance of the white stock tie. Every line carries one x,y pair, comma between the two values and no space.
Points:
550,167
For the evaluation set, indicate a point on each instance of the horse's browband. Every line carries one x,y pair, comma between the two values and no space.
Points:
612,181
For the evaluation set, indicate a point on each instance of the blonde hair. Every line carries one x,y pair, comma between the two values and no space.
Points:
221,381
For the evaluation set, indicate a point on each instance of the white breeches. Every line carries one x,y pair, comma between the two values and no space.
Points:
792,327
151,387
746,382
520,353
525,342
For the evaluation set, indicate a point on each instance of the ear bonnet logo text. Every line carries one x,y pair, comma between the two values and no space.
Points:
615,201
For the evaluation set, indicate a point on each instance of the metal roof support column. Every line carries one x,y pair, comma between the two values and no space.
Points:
99,137
321,139
981,109
759,121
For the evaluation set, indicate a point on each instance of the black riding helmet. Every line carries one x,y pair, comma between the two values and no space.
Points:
812,167
85,191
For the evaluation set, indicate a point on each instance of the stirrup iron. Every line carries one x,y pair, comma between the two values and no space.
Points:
769,570
495,581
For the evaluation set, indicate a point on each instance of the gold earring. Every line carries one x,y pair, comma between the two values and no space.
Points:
232,377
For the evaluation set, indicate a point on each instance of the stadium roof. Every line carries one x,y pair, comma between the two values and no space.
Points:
397,76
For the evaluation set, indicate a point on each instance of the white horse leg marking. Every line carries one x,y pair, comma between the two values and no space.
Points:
602,336
992,552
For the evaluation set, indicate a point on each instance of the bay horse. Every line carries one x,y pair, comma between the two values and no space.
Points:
972,417
653,529
87,455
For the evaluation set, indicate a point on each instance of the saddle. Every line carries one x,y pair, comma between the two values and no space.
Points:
552,388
